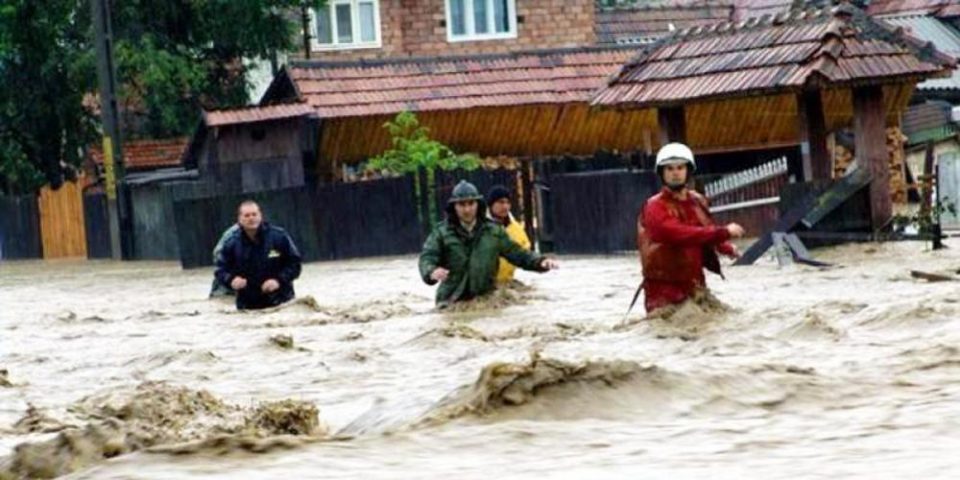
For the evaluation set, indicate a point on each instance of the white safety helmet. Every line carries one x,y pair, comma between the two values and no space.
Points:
676,154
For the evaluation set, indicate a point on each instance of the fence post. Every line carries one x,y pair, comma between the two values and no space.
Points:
423,186
526,178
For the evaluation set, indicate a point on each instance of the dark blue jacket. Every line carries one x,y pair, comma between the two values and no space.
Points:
272,256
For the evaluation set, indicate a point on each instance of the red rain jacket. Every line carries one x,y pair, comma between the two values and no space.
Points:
676,239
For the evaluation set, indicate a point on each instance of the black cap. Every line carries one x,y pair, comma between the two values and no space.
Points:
496,193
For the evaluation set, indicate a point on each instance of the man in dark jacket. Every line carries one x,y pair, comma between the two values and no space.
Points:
258,261
463,252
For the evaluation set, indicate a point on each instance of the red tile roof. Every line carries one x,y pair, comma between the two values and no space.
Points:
262,113
348,89
922,7
764,55
147,154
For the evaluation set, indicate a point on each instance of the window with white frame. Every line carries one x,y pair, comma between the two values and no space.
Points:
481,19
344,24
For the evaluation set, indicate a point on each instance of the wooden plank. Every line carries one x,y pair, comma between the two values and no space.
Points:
835,196
755,251
931,277
871,151
781,249
526,168
813,136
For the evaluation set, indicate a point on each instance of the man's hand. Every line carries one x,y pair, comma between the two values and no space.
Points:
238,283
440,274
736,231
734,252
549,264
270,286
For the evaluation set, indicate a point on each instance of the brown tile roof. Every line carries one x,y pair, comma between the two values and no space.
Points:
945,8
372,87
771,54
640,23
146,154
261,113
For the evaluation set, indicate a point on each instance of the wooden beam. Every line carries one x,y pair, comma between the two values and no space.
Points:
526,176
812,126
870,139
673,125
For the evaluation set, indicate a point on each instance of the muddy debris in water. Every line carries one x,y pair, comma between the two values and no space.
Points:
460,330
932,276
352,337
686,321
117,423
813,326
159,417
515,293
287,417
359,313
280,425
36,421
285,342
505,384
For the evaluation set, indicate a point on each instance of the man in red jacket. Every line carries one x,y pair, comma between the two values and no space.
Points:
676,236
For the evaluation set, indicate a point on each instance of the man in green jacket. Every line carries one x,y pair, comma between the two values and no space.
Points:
463,252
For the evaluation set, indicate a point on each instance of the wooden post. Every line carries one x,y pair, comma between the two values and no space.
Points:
424,201
813,137
870,139
526,176
673,125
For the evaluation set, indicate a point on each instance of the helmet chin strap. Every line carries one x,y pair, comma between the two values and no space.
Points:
676,187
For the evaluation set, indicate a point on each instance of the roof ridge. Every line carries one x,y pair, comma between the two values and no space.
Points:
378,62
292,102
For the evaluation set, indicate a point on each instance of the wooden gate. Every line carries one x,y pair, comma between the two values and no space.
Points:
61,221
750,198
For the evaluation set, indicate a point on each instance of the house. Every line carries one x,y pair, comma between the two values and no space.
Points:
140,158
791,77
354,29
251,149
527,104
930,124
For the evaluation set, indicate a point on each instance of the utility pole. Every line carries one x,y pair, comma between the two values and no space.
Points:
305,21
112,142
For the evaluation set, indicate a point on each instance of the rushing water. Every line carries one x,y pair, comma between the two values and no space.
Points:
843,372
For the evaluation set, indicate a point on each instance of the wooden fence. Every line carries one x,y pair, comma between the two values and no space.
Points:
61,221
750,197
19,228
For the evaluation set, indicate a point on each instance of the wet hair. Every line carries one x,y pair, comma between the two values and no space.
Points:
247,203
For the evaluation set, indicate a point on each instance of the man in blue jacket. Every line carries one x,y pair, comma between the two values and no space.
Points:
259,261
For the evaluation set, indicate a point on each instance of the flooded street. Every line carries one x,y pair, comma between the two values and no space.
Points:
844,372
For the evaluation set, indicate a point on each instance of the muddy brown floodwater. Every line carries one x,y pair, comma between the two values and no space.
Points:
127,371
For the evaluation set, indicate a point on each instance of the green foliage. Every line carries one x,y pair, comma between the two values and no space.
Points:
924,221
413,149
172,57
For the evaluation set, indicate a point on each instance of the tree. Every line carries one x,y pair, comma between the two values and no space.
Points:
173,57
44,74
413,150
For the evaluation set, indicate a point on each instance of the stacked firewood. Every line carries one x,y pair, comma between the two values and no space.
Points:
842,158
501,161
897,157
